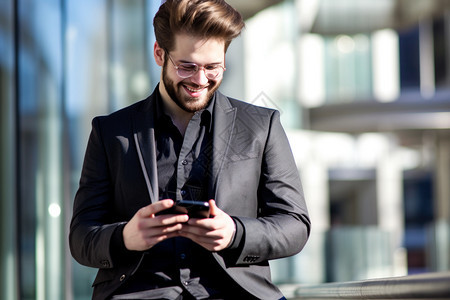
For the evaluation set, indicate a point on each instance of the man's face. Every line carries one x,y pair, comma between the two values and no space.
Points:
193,93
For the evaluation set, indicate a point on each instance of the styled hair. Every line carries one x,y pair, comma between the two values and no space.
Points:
201,18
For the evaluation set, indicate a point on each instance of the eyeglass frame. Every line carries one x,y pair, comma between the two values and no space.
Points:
197,68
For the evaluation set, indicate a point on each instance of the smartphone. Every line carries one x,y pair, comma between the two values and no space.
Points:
193,208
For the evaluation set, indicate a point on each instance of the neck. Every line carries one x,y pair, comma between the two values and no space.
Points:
179,116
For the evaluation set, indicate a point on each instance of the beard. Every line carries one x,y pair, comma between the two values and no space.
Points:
186,103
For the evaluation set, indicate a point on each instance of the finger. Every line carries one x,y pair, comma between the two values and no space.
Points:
156,207
164,230
172,219
207,243
151,240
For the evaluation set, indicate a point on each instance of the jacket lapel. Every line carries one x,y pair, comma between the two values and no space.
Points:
223,120
144,138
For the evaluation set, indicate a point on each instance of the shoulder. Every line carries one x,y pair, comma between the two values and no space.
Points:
122,121
244,108
125,112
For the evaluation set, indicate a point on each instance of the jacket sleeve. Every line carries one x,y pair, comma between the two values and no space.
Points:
93,225
282,225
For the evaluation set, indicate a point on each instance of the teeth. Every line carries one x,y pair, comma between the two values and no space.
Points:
193,90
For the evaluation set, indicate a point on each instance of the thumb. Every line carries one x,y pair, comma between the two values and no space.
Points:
213,209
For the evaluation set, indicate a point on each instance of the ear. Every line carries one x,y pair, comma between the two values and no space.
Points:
159,54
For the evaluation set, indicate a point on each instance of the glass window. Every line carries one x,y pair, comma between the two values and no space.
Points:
8,233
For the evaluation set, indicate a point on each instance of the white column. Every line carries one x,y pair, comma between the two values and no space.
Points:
390,205
390,194
442,204
315,184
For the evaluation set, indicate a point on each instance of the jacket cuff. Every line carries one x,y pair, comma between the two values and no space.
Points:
118,248
238,234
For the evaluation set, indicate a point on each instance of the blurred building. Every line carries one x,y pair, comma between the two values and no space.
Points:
363,88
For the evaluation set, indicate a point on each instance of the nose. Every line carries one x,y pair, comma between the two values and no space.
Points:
199,77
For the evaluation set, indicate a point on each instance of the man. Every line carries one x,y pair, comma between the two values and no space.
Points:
188,141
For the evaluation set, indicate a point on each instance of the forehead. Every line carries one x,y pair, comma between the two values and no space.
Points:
197,49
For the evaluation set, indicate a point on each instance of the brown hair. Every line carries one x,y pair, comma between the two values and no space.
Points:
202,18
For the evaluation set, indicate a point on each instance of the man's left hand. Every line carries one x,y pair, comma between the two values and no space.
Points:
214,233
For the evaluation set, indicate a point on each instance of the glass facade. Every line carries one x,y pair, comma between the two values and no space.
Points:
8,157
62,63
376,194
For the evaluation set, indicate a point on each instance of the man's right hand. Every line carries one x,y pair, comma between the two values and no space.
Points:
146,229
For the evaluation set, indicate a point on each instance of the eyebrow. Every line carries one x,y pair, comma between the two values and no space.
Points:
190,62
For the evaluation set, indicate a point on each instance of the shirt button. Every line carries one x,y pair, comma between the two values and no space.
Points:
182,256
186,283
105,263
184,162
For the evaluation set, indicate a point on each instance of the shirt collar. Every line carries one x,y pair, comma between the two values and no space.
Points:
206,114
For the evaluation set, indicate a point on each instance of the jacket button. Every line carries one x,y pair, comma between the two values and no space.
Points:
251,258
122,278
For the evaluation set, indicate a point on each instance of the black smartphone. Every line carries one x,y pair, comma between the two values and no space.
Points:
193,208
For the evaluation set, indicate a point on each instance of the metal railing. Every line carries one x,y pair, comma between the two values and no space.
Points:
421,286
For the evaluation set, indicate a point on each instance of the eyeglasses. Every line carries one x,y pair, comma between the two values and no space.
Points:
186,70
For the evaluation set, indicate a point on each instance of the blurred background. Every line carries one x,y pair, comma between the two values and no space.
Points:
363,88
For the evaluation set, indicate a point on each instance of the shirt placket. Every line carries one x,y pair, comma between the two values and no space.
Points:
187,155
185,162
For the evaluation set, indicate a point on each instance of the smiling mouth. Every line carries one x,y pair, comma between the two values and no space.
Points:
194,90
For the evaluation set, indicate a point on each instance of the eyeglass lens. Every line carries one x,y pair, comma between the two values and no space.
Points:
187,70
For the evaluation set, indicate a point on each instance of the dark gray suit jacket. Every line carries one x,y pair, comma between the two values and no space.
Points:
253,178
